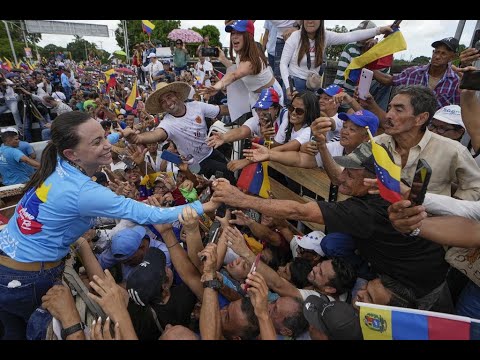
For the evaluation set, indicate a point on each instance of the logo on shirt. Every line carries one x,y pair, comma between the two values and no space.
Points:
28,210
198,120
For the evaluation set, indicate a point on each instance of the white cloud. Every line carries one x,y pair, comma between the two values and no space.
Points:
419,34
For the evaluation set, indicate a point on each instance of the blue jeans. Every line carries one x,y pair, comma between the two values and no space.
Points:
271,60
19,302
468,303
12,105
46,134
279,45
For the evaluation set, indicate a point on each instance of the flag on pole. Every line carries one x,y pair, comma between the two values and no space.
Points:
388,173
147,27
379,53
380,322
8,64
254,179
132,98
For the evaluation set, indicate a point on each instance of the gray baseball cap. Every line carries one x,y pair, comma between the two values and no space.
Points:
360,158
365,24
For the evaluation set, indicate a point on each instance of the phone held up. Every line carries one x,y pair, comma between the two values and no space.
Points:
420,182
470,80
366,77
210,51
253,268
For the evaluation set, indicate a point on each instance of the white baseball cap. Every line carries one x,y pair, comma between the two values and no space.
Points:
152,55
450,114
311,241
12,129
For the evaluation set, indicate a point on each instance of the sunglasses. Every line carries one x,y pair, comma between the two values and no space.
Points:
298,111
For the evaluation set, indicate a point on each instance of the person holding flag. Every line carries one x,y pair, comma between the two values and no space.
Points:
412,260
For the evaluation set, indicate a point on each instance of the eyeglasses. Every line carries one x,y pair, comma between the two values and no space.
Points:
298,111
179,43
439,130
302,251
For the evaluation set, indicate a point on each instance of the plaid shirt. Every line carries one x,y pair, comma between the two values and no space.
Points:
446,91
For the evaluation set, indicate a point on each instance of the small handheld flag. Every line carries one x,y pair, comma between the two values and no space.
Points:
147,27
388,173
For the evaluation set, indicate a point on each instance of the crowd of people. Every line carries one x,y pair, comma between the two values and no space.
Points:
144,198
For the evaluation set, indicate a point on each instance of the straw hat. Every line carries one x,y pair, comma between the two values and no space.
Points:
152,105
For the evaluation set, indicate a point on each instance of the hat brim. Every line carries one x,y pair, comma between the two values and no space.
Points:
264,105
446,120
347,162
152,105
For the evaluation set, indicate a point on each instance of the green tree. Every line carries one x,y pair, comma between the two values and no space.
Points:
15,29
79,48
421,60
212,32
50,50
136,34
334,51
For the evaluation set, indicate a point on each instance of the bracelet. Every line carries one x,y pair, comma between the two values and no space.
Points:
415,232
168,247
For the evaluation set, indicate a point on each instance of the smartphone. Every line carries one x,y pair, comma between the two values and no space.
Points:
476,39
364,83
471,80
268,120
420,182
247,144
291,84
253,268
210,51
213,234
171,157
396,24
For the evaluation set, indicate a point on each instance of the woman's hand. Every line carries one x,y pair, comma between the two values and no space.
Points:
235,165
309,148
215,140
257,153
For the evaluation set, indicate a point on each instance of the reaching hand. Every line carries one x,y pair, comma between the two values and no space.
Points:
225,221
258,292
257,153
404,218
236,241
129,134
226,193
60,303
309,148
137,154
235,165
209,253
99,332
241,218
215,140
189,218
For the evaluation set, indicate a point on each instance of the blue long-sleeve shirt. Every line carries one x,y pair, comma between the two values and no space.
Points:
47,220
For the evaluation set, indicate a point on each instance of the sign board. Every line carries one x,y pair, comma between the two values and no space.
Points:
28,52
65,28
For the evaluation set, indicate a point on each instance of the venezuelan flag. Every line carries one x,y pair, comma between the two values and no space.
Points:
147,27
254,179
380,322
132,98
391,44
388,173
9,65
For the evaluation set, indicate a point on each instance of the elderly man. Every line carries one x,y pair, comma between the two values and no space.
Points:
415,262
153,68
184,124
408,139
438,75
448,122
15,166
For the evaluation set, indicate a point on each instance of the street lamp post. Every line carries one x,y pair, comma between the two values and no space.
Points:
11,43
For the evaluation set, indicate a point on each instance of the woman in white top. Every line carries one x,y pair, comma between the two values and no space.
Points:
304,50
152,156
252,65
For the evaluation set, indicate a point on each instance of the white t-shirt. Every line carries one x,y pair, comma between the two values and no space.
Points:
201,69
334,148
302,135
189,132
119,165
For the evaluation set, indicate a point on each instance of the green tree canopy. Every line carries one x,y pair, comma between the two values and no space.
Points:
79,48
136,34
334,51
212,32
15,28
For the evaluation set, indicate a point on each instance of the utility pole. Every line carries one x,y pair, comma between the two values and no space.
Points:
460,26
22,26
11,43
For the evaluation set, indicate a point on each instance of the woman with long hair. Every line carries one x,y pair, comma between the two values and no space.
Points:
60,203
252,65
304,51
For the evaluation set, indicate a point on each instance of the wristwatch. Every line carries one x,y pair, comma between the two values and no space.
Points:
72,330
214,284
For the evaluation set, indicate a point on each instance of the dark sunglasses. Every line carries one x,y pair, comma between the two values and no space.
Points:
179,43
298,111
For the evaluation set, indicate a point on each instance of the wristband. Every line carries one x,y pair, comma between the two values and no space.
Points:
72,330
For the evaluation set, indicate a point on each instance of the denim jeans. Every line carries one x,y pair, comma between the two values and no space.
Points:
279,45
20,294
12,105
468,303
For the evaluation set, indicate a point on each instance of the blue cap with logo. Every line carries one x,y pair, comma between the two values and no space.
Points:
127,241
241,26
267,98
362,118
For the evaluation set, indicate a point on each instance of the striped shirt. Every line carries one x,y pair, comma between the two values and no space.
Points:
351,50
446,91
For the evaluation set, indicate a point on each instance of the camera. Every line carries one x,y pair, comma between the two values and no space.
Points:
210,51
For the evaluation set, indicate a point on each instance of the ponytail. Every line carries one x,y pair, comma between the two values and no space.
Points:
48,163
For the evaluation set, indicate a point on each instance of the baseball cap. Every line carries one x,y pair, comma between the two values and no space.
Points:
362,118
166,62
365,24
360,158
312,241
449,42
241,26
151,55
337,319
38,324
10,129
127,241
330,90
145,281
267,98
450,114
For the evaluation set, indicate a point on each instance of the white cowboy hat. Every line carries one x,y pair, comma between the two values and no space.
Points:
152,105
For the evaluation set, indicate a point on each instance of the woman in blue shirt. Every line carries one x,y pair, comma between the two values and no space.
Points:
60,203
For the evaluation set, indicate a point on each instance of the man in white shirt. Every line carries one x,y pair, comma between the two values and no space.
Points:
153,68
9,101
201,68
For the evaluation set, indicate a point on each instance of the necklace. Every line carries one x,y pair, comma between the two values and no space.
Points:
77,167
